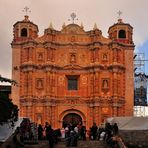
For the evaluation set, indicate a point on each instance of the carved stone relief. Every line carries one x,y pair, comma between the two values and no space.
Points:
61,80
39,83
72,58
84,80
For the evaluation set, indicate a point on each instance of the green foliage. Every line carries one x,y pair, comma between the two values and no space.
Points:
8,111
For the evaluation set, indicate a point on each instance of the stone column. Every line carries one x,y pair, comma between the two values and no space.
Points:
52,55
30,111
30,82
92,56
99,114
53,114
92,84
25,84
47,112
115,82
30,52
53,84
95,114
97,83
114,111
91,114
25,54
115,55
47,83
96,55
22,109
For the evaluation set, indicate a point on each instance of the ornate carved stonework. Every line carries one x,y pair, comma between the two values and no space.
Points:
72,71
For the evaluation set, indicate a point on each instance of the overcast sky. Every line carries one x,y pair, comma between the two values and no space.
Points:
101,12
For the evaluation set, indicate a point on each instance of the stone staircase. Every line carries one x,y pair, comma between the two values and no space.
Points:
62,144
83,144
40,144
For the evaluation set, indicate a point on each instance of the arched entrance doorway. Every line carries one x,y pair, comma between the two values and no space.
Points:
71,118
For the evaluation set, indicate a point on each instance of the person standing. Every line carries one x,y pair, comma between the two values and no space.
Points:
51,137
46,128
115,129
94,131
40,132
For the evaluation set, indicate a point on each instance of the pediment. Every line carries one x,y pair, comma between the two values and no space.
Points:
73,29
71,66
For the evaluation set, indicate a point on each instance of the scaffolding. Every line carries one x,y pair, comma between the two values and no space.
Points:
140,87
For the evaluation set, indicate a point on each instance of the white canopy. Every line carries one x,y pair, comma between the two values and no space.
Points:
130,123
6,130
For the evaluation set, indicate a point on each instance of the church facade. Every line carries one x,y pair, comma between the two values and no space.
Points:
72,75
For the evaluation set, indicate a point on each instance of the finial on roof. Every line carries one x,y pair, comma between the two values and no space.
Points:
95,26
120,21
73,17
51,26
63,26
26,18
82,25
119,17
26,11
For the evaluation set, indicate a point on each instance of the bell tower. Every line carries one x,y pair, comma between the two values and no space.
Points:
24,30
121,32
24,34
122,47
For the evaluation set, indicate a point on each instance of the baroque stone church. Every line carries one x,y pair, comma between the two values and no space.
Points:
72,75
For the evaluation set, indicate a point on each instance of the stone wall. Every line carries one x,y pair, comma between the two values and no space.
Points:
138,138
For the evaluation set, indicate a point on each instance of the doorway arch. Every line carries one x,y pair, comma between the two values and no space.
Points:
71,118
76,112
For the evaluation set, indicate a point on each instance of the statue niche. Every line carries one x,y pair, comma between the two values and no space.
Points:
105,84
39,83
72,58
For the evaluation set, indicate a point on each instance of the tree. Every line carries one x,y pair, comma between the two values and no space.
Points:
8,111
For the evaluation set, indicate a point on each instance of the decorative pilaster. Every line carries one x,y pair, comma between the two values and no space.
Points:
115,106
97,83
26,83
47,83
52,55
96,54
92,84
91,114
115,55
92,56
23,55
30,82
26,54
30,52
29,110
115,82
49,55
47,111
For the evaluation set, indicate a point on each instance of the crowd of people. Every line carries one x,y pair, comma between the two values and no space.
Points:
70,133
109,133
27,131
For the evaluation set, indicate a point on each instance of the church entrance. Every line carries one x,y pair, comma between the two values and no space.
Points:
71,118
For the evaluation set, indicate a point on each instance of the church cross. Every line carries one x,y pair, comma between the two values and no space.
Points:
73,18
26,10
119,14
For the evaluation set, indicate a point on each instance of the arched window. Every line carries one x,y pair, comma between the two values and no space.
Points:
24,32
122,34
